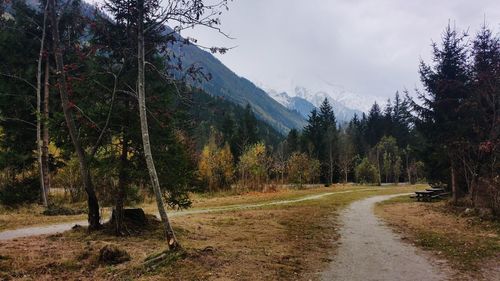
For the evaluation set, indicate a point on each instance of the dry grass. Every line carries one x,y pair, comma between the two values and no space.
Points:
467,243
280,242
31,215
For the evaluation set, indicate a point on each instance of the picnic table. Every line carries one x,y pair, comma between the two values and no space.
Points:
435,189
429,194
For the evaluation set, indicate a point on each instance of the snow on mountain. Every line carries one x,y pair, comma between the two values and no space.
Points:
281,97
317,90
308,92
304,103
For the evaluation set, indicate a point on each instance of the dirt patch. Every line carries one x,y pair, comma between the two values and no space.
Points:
470,245
111,254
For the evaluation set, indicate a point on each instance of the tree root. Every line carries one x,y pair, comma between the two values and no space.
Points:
154,261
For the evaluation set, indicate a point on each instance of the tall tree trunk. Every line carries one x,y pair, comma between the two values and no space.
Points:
330,179
39,110
93,204
282,177
408,169
173,244
122,184
379,176
453,184
45,128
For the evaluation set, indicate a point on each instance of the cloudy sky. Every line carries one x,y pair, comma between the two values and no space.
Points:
371,47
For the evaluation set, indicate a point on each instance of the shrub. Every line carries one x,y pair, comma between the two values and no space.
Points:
303,169
254,166
366,172
15,193
216,166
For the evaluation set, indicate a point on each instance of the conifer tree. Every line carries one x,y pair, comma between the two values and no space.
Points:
447,85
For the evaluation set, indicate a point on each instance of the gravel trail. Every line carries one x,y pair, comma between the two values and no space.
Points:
369,250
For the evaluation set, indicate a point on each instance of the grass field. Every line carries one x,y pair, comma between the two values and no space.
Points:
277,242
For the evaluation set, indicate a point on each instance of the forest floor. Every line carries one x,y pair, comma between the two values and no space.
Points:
470,245
292,241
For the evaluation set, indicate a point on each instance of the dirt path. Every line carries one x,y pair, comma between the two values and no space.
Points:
369,250
61,227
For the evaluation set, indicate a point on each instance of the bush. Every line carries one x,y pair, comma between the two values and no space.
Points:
57,210
366,172
15,193
254,167
303,169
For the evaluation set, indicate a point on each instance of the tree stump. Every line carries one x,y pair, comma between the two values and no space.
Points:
131,217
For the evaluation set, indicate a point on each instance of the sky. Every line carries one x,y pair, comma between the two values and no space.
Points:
370,47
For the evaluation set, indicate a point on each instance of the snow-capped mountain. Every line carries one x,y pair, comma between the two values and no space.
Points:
281,97
317,90
304,106
304,95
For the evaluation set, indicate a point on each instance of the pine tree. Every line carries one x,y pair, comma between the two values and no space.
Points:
246,133
447,85
328,153
313,135
18,51
481,145
374,125
292,142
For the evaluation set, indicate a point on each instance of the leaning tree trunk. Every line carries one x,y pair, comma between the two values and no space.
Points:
39,110
93,204
173,244
45,129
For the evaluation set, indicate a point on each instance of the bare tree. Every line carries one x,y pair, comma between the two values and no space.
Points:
45,128
346,155
184,14
330,139
39,144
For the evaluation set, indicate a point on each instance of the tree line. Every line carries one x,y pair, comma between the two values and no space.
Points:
448,135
